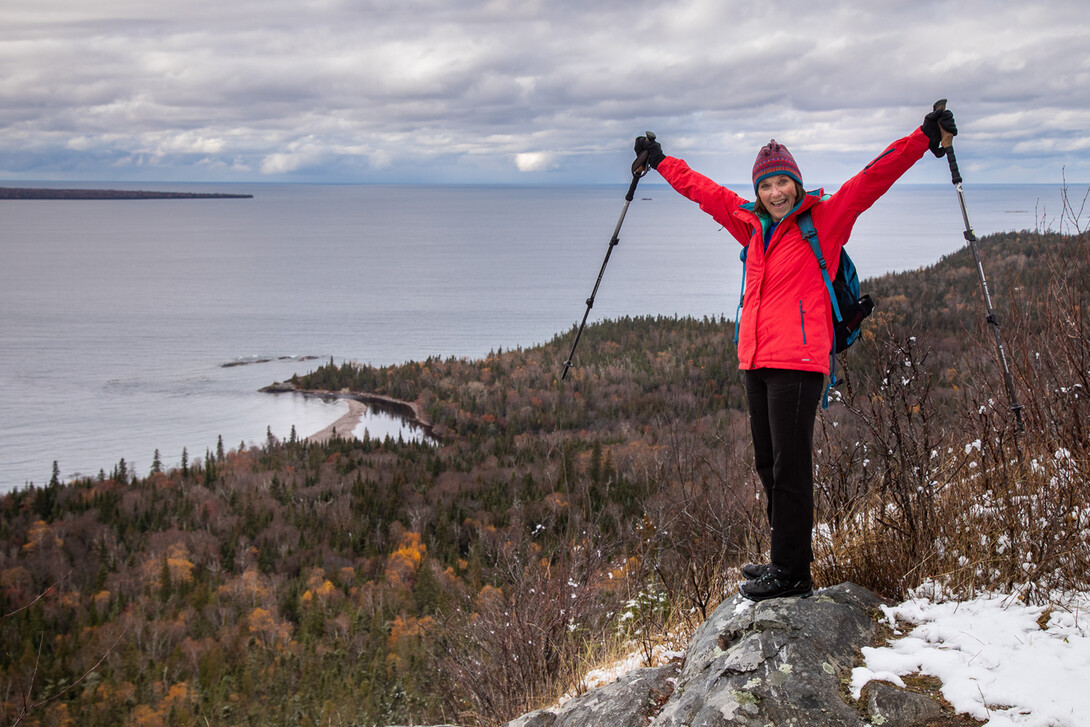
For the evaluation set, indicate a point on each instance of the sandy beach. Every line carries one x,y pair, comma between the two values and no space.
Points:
343,426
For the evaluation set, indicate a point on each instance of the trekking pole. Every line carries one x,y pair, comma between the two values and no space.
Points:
947,149
639,168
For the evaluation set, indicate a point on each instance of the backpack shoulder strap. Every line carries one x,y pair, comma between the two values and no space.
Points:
741,294
809,232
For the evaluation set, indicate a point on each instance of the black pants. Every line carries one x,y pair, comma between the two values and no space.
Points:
782,408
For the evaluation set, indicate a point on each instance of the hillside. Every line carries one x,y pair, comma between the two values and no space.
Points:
473,579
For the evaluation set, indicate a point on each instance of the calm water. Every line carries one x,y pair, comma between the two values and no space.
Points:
117,316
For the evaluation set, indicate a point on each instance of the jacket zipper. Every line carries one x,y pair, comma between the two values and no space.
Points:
802,322
889,150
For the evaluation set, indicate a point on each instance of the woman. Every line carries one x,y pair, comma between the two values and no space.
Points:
785,333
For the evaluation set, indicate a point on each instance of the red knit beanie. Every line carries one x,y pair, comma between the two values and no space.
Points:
773,159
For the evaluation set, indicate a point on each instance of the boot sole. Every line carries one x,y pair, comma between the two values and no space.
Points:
790,593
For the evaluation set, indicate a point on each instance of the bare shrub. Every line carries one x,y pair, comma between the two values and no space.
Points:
705,518
512,648
931,483
879,481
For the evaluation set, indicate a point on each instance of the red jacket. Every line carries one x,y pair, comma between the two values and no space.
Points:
787,321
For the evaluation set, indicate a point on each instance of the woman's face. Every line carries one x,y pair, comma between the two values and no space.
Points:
778,195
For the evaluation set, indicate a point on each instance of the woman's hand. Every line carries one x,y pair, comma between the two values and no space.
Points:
934,124
650,147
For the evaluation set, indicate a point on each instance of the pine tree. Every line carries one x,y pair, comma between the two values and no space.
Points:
209,466
426,591
166,584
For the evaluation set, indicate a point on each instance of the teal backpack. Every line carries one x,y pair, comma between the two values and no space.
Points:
849,307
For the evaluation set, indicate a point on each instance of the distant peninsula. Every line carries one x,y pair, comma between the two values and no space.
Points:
40,193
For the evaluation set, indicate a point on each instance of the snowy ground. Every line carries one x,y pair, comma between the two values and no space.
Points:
998,659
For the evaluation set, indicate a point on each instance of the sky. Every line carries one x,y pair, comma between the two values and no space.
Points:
526,91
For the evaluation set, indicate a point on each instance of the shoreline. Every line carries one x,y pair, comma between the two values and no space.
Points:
344,426
358,405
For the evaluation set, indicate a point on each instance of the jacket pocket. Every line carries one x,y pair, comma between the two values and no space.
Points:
802,322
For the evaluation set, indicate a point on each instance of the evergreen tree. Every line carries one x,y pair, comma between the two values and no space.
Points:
166,585
209,466
596,463
426,591
156,463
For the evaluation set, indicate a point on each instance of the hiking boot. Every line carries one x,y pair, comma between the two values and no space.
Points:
753,571
775,583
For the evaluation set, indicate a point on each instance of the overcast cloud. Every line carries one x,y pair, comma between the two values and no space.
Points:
529,91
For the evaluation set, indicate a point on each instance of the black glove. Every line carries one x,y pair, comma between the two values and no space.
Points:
934,124
653,150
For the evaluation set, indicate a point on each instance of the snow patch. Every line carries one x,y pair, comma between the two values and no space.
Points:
998,659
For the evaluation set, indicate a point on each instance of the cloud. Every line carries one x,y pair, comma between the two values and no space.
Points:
283,163
441,89
534,161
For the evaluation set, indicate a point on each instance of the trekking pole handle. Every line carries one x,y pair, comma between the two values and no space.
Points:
947,138
947,144
640,167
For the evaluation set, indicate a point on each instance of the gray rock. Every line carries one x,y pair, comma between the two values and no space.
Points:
628,702
541,718
778,661
894,707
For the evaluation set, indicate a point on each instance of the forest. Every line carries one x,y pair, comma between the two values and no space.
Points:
551,524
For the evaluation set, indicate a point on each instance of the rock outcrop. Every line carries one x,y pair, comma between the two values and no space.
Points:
785,662
781,662
631,701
